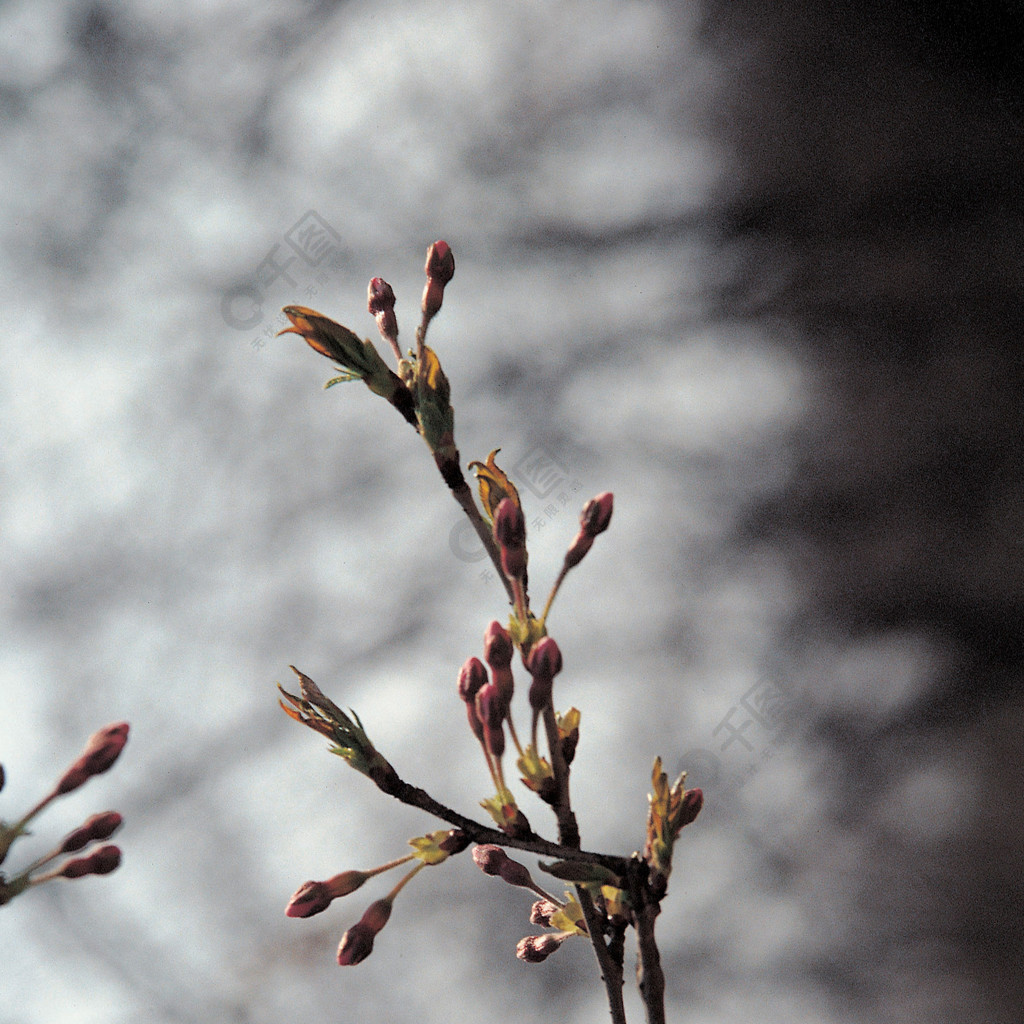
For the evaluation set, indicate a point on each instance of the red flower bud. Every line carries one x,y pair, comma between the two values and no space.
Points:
509,524
491,710
540,692
440,270
102,750
597,514
545,658
455,842
535,948
95,828
380,296
494,737
380,301
310,898
510,533
489,858
493,860
541,911
594,519
440,264
100,862
489,706
472,676
357,943
516,874
693,801
498,646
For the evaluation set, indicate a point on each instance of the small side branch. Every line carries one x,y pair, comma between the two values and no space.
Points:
415,797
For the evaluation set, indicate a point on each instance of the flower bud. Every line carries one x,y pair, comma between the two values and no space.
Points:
540,694
96,828
455,842
380,301
489,858
491,709
310,898
509,524
100,862
440,264
498,646
440,270
102,750
472,676
536,948
597,514
545,658
545,663
541,911
594,519
493,860
693,801
357,943
489,706
498,650
516,874
380,296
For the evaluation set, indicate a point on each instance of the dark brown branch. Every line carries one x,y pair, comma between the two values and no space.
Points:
650,978
415,797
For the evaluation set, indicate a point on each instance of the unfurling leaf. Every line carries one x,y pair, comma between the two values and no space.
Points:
493,485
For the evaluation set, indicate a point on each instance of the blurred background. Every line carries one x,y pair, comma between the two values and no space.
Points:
755,268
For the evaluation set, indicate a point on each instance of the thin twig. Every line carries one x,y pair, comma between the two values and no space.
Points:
650,978
611,972
569,835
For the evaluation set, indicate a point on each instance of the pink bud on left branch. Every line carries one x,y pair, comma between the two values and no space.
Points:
99,862
315,897
102,750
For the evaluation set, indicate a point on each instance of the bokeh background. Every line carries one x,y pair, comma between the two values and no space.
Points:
755,268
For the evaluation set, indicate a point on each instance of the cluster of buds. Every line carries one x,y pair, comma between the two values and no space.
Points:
565,917
671,809
97,856
488,701
357,942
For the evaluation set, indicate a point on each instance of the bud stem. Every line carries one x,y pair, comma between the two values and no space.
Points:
405,879
554,590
